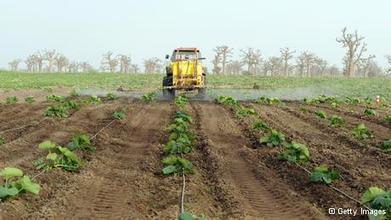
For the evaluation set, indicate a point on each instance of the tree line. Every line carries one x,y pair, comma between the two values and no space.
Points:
356,62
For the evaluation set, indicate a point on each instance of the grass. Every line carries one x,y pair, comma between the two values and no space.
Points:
360,87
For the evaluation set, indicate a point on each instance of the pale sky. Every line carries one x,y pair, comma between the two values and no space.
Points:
84,29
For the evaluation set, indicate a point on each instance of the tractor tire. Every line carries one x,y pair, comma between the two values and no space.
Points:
202,93
168,93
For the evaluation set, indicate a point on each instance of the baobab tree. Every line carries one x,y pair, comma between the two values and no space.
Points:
305,62
234,67
73,67
134,68
216,64
38,60
223,53
61,62
85,67
124,63
14,64
152,65
286,56
30,63
355,48
320,66
365,64
109,62
50,57
252,58
273,66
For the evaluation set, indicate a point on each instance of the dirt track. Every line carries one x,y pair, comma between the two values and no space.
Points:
234,177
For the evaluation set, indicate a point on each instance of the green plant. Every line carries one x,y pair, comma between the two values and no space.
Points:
119,115
74,94
15,183
361,132
336,121
11,100
29,100
324,175
176,165
227,100
385,146
269,101
334,104
353,101
149,97
320,114
182,144
184,116
369,112
94,100
274,139
111,96
57,157
54,98
181,101
71,105
260,126
81,142
2,141
380,200
368,100
56,111
242,111
295,153
388,118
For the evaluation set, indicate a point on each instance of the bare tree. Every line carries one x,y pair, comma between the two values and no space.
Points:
134,68
216,62
273,66
50,57
355,47
223,53
85,67
109,62
305,62
30,63
73,67
60,61
38,60
152,65
124,63
252,58
320,66
333,70
365,64
286,56
234,67
388,69
14,64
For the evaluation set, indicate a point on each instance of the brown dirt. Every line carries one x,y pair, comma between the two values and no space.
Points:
234,176
38,94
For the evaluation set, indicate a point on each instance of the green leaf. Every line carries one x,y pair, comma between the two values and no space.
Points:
52,156
371,194
6,192
28,186
69,154
10,172
186,216
47,145
169,169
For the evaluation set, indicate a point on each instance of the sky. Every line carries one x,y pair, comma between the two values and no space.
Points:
85,29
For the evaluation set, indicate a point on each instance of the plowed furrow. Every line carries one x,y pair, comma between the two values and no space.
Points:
261,198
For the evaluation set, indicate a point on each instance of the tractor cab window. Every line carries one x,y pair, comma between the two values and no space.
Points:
184,55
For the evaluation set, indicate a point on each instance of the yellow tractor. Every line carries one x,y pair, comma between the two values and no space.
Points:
184,71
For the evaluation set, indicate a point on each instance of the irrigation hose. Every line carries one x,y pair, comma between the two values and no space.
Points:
336,189
183,192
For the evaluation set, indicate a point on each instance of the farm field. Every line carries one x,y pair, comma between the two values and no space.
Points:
236,172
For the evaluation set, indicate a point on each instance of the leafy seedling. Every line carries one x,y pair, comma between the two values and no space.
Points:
56,111
15,183
385,146
274,139
244,112
181,101
11,100
119,115
378,199
295,153
320,114
336,121
322,174
111,96
176,165
81,142
369,112
94,100
227,100
2,141
368,100
71,105
184,116
74,94
57,157
180,145
260,126
361,132
29,100
149,97
334,104
353,101
54,98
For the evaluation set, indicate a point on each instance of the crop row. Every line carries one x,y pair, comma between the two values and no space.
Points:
298,154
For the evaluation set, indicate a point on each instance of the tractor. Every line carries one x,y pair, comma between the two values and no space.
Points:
184,71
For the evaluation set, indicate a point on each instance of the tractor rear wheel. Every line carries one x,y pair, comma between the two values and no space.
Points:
168,93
